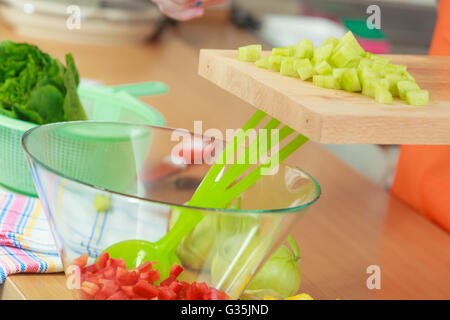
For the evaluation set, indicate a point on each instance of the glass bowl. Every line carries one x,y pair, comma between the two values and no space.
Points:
104,183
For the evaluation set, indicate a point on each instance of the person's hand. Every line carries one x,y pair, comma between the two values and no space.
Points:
184,9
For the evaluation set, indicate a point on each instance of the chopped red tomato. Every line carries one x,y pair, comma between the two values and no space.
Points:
81,261
145,289
176,270
108,279
126,277
102,260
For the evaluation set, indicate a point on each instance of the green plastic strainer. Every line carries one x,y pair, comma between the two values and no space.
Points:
100,103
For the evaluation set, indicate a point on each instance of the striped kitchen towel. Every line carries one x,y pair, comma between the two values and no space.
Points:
26,243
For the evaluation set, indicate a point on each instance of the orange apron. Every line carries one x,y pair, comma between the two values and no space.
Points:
422,177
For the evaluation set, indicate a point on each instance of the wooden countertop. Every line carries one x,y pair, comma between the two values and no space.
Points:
354,225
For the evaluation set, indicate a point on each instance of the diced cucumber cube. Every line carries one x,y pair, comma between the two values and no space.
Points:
338,72
380,67
284,52
393,78
304,49
287,68
328,82
323,68
353,63
344,55
366,73
365,62
263,62
382,94
369,86
417,97
331,40
384,60
304,68
275,63
350,81
395,68
404,86
322,53
250,53
349,39
318,80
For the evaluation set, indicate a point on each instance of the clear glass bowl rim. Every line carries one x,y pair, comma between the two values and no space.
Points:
269,211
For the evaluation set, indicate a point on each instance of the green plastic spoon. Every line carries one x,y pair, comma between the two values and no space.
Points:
211,193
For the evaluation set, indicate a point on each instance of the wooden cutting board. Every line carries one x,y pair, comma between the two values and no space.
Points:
336,116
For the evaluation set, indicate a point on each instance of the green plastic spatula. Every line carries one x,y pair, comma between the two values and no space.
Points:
212,193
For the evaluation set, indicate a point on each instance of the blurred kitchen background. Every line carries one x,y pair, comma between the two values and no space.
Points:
406,28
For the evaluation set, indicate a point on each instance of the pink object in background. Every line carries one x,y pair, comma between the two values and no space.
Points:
375,46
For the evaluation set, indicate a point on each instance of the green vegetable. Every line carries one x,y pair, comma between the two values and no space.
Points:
350,81
263,62
417,97
46,101
275,63
279,277
329,82
322,53
382,94
250,53
37,88
304,68
72,105
287,68
323,68
304,49
343,64
404,86
284,52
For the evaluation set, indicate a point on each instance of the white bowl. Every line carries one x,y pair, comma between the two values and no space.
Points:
99,25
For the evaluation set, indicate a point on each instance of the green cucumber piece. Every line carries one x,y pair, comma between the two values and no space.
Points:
263,62
328,82
350,40
417,97
380,68
366,73
322,53
338,72
250,53
287,68
369,86
304,68
284,52
304,49
331,40
395,68
350,81
382,94
365,62
323,68
404,86
275,63
375,57
393,78
344,56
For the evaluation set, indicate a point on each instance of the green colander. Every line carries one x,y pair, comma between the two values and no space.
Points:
117,103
